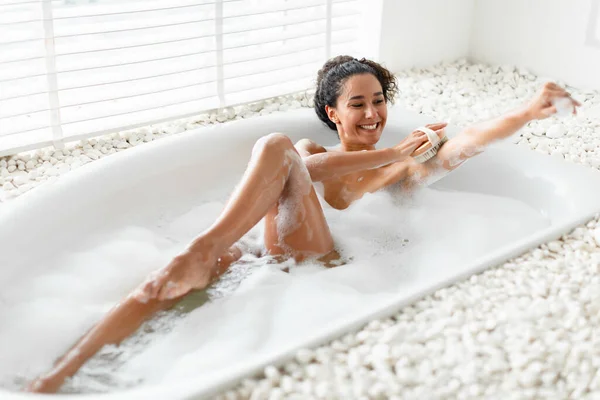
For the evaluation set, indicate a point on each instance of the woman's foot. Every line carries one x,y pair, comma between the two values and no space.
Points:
46,384
191,270
332,259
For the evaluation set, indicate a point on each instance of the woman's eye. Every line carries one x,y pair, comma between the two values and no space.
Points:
379,101
356,105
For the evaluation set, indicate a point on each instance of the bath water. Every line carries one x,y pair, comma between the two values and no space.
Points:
389,244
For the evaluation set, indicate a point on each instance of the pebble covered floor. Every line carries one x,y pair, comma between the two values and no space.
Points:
528,329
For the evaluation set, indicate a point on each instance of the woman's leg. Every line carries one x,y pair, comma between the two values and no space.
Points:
295,225
276,178
271,174
120,322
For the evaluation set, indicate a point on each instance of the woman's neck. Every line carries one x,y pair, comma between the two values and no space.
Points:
356,147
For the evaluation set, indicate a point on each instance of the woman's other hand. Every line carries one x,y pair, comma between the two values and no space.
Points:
543,104
417,138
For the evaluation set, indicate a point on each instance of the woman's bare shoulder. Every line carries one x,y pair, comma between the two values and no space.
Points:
307,147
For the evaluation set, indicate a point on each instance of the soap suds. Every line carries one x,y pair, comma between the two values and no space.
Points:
386,240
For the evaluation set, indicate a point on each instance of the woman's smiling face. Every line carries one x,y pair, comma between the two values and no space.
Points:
360,112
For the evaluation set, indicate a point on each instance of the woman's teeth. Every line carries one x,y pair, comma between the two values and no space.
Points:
369,127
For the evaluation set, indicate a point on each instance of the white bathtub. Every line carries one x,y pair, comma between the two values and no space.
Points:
129,189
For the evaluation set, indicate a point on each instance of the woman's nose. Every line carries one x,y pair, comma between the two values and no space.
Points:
370,112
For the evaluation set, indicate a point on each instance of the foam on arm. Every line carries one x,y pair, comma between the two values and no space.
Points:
474,139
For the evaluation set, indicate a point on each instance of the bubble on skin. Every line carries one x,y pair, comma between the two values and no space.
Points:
170,285
458,154
37,385
291,212
318,162
456,160
346,194
269,180
429,178
71,354
140,295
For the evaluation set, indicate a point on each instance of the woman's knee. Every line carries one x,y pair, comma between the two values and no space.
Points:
273,142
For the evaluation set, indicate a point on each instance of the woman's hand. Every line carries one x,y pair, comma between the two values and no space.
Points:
542,105
417,138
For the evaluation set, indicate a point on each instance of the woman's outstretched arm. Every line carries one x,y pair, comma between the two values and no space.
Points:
474,139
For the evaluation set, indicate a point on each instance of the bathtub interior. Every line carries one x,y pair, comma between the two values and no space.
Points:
166,180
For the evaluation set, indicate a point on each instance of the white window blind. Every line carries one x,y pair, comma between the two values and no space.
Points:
71,69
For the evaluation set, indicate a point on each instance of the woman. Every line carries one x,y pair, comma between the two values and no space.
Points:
351,98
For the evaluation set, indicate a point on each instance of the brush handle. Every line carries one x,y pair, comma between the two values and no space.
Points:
433,138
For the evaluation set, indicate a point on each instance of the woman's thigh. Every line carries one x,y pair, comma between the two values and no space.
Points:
296,225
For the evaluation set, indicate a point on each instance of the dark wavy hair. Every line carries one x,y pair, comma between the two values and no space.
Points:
336,71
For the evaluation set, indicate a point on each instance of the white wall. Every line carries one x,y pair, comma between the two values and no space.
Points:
424,32
553,38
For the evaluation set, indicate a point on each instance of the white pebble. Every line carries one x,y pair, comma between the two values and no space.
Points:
381,351
52,171
555,246
305,356
406,376
314,370
272,373
8,186
20,180
287,384
596,236
276,394
322,390
556,131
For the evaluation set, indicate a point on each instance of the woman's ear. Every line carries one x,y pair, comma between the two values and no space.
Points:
332,114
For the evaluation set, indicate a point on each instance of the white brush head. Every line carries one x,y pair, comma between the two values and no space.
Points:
429,154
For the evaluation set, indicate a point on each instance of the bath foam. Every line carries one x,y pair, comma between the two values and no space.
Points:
291,211
79,289
493,207
380,237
